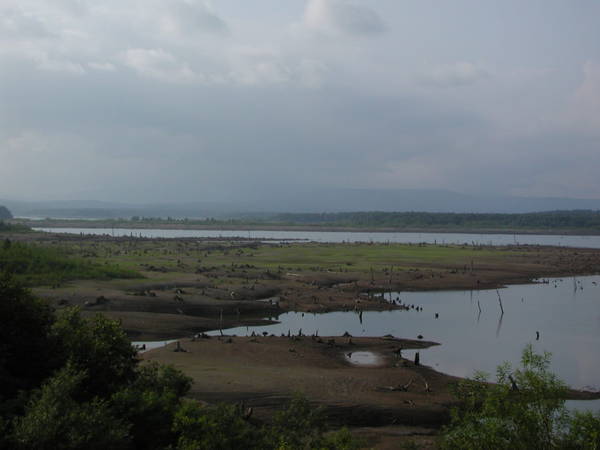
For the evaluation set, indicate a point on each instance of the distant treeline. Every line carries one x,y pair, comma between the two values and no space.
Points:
555,221
579,219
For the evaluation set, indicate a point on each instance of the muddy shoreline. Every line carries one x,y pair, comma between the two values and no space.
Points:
388,403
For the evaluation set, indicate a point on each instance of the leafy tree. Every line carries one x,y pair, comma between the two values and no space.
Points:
298,426
523,410
100,347
584,432
25,322
56,418
151,403
221,427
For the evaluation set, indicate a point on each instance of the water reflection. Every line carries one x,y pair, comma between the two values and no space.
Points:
475,333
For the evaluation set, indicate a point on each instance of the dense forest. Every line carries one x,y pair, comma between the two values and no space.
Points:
579,219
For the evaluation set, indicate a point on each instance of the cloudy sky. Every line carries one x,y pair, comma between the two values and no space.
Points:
179,100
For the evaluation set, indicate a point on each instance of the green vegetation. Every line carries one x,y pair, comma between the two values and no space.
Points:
564,220
136,254
549,221
13,228
37,265
68,382
357,257
523,410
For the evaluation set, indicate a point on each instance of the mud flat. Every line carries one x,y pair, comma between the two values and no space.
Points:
388,402
265,371
225,281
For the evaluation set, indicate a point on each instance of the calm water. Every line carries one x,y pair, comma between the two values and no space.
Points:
338,236
566,312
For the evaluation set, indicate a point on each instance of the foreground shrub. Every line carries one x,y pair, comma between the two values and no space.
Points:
68,382
56,418
524,409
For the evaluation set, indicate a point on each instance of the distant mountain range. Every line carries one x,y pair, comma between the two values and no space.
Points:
316,201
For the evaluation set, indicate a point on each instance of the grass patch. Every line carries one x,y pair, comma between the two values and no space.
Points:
38,265
13,228
358,257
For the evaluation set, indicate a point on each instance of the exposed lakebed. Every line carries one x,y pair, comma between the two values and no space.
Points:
474,333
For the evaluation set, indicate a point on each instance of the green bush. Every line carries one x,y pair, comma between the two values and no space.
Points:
524,409
25,324
98,346
70,382
55,418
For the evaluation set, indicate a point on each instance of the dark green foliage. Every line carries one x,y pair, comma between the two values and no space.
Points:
13,228
56,418
221,428
34,265
76,383
5,213
584,433
578,220
25,323
562,220
98,346
298,426
303,426
150,403
523,410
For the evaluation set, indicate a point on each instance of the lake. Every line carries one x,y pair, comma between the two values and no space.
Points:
342,236
474,333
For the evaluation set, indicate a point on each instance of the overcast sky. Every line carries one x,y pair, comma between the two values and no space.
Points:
179,100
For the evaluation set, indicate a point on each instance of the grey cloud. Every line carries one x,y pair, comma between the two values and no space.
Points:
344,16
174,109
457,74
15,23
193,16
159,64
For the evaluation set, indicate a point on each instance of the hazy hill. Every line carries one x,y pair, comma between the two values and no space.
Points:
306,201
5,213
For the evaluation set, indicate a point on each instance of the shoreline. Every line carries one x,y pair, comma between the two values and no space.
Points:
392,399
97,223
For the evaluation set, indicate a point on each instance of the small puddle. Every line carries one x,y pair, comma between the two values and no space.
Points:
363,358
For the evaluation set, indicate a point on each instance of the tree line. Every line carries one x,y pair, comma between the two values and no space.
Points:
577,219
